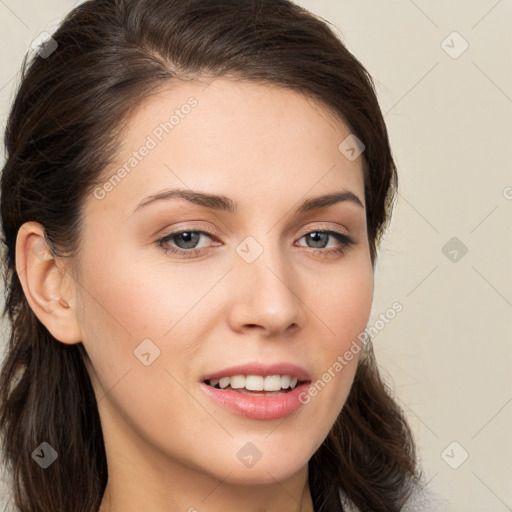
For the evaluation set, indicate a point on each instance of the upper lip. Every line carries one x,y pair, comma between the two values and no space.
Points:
261,369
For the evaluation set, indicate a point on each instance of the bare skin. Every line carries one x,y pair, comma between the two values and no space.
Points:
169,446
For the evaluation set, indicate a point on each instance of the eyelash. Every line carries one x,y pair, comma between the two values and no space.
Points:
346,242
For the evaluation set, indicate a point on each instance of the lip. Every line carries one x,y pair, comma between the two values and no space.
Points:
259,407
264,370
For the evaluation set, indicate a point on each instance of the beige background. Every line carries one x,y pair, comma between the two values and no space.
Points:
448,354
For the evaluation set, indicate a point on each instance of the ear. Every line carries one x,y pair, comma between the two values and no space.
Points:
48,286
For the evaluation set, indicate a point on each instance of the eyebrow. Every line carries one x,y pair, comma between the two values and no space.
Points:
223,203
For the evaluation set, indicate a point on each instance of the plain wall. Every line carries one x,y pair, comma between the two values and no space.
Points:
448,353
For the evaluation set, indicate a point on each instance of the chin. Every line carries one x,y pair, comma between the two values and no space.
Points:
251,466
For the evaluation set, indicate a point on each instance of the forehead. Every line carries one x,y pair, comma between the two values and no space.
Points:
231,136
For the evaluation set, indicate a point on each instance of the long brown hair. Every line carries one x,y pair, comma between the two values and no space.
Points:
61,134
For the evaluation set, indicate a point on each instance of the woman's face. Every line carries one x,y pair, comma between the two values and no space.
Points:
245,280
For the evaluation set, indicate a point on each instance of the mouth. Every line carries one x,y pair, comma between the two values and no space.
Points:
256,404
257,390
257,384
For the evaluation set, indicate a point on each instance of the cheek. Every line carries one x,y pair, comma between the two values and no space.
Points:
119,310
125,309
127,312
343,310
344,304
134,299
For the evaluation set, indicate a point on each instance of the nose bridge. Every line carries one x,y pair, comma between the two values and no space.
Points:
268,295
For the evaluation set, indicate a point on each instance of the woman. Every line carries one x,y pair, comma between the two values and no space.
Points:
192,202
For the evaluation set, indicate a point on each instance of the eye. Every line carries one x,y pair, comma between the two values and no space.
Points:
184,242
320,239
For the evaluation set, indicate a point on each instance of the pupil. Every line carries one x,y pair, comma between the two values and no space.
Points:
187,239
318,235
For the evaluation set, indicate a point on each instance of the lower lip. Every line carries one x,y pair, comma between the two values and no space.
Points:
258,407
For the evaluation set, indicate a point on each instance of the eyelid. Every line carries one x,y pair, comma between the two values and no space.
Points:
209,230
212,231
321,227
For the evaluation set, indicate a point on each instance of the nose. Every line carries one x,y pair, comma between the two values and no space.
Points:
265,295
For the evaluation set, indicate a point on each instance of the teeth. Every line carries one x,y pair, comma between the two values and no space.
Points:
256,382
237,381
272,383
224,382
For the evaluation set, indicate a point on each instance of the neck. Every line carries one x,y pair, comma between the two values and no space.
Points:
204,494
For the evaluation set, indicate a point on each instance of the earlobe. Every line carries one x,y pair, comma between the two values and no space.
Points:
45,284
